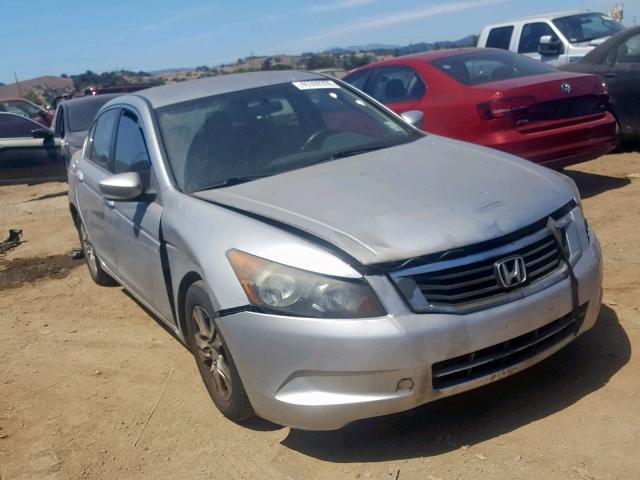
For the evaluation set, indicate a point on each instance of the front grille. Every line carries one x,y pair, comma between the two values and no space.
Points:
491,360
478,281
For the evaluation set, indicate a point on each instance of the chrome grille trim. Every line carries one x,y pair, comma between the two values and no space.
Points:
488,361
468,283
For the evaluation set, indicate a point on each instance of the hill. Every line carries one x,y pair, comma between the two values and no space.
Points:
379,49
49,82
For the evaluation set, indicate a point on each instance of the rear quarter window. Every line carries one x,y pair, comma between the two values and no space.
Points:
500,37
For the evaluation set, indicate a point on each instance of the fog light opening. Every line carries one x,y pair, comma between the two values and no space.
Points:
404,385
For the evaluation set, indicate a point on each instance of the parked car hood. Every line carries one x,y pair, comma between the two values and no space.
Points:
428,196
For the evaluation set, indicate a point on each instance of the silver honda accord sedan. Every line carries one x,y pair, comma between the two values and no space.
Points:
323,259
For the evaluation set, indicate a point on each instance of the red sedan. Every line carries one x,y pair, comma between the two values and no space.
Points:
498,99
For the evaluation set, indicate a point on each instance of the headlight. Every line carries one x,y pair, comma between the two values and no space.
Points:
291,291
576,232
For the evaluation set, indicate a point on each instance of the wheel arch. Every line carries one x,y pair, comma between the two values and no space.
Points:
75,215
187,280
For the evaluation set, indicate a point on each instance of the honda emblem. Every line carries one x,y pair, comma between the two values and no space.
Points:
511,271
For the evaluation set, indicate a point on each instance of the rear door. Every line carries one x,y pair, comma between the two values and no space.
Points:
24,158
94,165
399,87
500,37
622,74
137,222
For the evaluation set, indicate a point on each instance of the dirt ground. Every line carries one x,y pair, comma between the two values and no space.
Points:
82,366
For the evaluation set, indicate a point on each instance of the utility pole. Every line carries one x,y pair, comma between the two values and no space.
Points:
15,75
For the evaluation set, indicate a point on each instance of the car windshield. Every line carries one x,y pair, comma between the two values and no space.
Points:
236,137
490,66
587,26
82,112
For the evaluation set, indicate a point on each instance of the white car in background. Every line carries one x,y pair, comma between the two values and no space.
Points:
556,38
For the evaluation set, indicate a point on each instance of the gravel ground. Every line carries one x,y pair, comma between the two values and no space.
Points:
81,368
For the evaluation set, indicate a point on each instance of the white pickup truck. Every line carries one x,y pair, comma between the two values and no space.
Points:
557,38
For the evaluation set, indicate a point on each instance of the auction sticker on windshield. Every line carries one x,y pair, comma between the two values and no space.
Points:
315,84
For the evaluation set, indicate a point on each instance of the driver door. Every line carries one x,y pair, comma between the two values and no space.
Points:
137,222
26,157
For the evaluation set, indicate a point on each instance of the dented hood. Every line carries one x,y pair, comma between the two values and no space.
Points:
423,197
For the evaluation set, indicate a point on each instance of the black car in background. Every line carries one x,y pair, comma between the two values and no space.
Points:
73,119
29,152
618,61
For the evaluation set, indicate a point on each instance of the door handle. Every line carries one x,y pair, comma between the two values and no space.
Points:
79,175
610,75
110,203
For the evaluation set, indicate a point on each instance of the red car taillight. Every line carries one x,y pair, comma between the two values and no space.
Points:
506,107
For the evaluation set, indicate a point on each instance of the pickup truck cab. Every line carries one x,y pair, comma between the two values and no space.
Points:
557,38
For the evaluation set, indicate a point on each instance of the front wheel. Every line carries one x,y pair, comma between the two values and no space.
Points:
213,358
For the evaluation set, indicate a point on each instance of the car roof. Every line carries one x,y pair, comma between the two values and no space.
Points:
15,99
544,16
206,87
77,101
425,57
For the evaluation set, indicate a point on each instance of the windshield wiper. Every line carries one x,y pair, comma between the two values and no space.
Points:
357,151
228,182
347,153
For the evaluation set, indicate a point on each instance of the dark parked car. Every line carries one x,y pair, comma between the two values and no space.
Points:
29,152
27,109
73,119
498,99
618,61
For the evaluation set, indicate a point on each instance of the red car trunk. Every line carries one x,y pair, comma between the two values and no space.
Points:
531,104
505,101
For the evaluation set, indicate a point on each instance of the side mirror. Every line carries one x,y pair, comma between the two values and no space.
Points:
42,133
122,186
414,118
550,46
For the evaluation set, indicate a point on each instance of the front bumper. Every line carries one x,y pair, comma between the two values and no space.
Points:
319,374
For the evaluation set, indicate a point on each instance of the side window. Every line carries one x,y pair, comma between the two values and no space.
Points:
13,126
500,37
397,84
59,125
359,79
530,38
131,151
629,51
102,137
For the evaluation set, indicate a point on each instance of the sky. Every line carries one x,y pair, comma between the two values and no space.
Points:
43,37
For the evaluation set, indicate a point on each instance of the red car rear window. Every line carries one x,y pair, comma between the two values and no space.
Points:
491,66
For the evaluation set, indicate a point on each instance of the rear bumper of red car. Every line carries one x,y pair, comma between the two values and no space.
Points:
559,147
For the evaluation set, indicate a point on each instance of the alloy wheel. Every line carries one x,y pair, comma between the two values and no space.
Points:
89,252
210,349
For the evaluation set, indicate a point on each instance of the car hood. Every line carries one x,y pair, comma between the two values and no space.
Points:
427,196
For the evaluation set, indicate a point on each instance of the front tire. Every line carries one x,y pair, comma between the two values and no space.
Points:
213,358
92,260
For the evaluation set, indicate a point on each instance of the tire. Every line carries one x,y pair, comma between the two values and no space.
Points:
213,358
618,146
92,260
